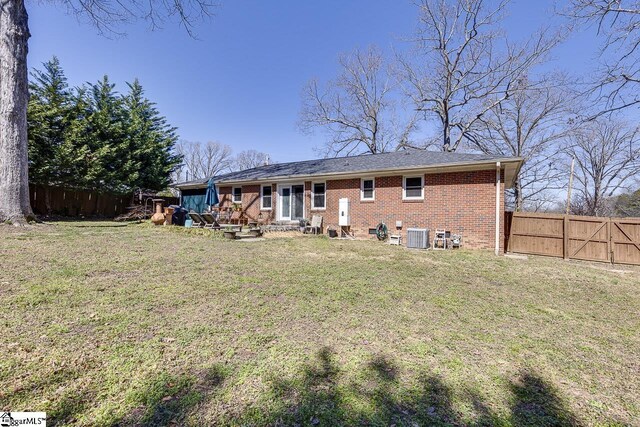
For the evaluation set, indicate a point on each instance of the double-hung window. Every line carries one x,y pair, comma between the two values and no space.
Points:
236,196
368,189
265,197
413,188
318,195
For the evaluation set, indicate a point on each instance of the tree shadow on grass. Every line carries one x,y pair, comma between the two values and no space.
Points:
72,404
536,403
321,395
314,397
71,399
318,397
168,399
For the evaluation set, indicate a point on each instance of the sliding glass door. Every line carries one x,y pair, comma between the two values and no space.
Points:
297,202
291,202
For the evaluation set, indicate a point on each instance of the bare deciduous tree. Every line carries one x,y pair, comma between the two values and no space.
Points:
607,155
530,124
203,160
618,83
357,110
462,66
106,16
249,159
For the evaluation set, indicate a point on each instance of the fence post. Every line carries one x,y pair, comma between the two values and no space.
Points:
609,242
565,236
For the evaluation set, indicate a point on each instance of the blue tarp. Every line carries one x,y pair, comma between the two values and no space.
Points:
194,200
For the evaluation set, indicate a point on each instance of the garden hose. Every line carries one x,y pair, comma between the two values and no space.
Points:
381,231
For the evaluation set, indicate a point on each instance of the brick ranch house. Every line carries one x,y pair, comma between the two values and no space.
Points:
460,192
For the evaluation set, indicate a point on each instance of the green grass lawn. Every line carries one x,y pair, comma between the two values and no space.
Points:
104,324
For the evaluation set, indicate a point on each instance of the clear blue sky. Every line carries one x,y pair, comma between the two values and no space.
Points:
240,82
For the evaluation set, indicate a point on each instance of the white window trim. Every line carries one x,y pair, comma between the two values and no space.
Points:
262,208
279,195
404,187
233,195
313,199
362,198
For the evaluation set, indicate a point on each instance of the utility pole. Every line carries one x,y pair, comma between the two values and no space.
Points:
573,160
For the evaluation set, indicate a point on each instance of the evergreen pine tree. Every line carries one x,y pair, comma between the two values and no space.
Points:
108,164
48,116
93,138
77,146
151,141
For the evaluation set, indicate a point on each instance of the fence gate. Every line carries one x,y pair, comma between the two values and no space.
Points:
625,240
615,240
587,238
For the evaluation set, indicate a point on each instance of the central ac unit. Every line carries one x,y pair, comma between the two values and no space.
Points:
417,238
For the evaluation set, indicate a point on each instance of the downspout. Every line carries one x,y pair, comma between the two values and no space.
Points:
497,208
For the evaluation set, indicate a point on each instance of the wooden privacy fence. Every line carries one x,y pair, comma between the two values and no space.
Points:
615,240
68,202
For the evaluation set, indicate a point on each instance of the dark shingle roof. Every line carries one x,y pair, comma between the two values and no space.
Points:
367,162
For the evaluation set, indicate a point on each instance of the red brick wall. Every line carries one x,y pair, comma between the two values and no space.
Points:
462,202
250,203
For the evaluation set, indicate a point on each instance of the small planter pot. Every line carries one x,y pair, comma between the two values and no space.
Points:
256,232
332,232
231,235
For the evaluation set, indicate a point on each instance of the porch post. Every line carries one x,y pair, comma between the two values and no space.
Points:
497,208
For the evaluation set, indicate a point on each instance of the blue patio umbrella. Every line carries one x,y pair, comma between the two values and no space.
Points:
211,197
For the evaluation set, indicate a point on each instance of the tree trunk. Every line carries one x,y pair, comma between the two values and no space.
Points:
517,195
595,207
14,96
446,132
